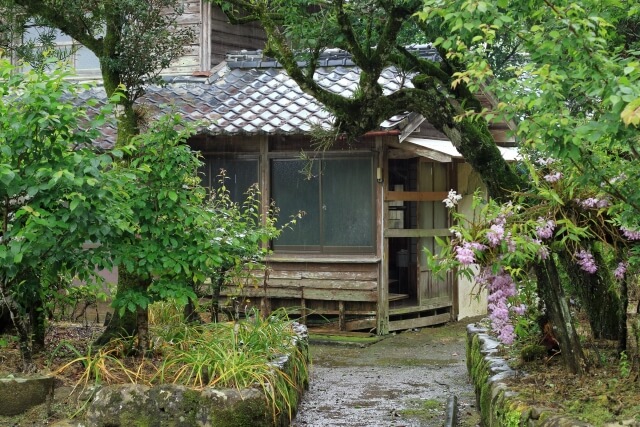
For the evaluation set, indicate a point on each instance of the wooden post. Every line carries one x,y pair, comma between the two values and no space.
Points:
303,311
382,323
342,321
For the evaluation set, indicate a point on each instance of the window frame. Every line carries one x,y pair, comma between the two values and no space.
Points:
322,248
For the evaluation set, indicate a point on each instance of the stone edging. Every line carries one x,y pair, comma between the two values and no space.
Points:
127,405
496,403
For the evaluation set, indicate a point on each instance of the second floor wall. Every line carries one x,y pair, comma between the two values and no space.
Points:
214,37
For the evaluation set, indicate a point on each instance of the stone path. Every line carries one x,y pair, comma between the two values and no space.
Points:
403,380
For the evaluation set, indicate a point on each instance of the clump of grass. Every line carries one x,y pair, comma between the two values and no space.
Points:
224,355
238,355
101,365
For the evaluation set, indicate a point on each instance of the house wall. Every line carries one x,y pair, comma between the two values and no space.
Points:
471,300
332,290
214,38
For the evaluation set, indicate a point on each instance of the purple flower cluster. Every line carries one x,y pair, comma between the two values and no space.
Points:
465,254
630,234
500,287
593,203
620,270
546,162
586,261
553,177
543,250
545,228
495,234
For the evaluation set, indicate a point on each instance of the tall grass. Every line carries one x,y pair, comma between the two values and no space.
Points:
237,355
225,355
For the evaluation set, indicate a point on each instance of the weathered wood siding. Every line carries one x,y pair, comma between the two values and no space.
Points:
190,61
226,37
214,39
345,294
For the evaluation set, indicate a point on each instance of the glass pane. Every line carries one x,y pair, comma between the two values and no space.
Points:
347,202
240,175
86,60
293,192
33,32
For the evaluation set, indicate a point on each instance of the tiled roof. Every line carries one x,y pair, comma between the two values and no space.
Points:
252,95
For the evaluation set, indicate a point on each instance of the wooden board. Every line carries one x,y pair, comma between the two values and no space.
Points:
420,322
432,304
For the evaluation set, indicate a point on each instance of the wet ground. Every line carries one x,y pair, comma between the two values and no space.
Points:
404,380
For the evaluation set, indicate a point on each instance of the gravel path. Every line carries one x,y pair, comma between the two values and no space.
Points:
403,380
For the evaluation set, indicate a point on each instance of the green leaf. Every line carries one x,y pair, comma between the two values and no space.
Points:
6,175
173,196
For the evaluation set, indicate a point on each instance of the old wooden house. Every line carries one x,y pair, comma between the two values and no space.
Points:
356,260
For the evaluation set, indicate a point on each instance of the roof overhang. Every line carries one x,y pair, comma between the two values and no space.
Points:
443,151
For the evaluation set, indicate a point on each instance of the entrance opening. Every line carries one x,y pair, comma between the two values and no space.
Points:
402,265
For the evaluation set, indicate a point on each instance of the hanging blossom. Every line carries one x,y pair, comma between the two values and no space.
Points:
495,235
500,288
553,177
620,270
465,253
593,203
546,161
586,261
630,234
545,228
452,199
543,250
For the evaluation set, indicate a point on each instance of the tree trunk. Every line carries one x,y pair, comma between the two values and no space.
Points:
191,315
633,323
600,300
624,303
37,319
551,292
142,325
125,325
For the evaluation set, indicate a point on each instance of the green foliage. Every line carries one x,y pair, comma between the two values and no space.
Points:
624,365
575,97
57,192
173,239
182,236
133,39
225,355
238,355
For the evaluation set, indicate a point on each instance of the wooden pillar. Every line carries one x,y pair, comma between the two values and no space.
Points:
342,321
205,35
303,311
382,323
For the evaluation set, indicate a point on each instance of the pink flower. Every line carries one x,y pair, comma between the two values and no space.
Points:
593,203
553,177
630,234
586,261
495,235
465,254
500,287
545,229
620,270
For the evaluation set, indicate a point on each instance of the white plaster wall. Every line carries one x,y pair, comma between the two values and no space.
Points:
471,300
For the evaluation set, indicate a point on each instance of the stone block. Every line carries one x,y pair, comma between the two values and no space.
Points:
18,394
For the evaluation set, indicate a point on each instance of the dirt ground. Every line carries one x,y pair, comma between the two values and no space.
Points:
403,380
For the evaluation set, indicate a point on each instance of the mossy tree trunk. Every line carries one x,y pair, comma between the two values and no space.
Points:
551,291
598,295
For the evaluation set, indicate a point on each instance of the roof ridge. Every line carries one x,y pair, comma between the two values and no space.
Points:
332,57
